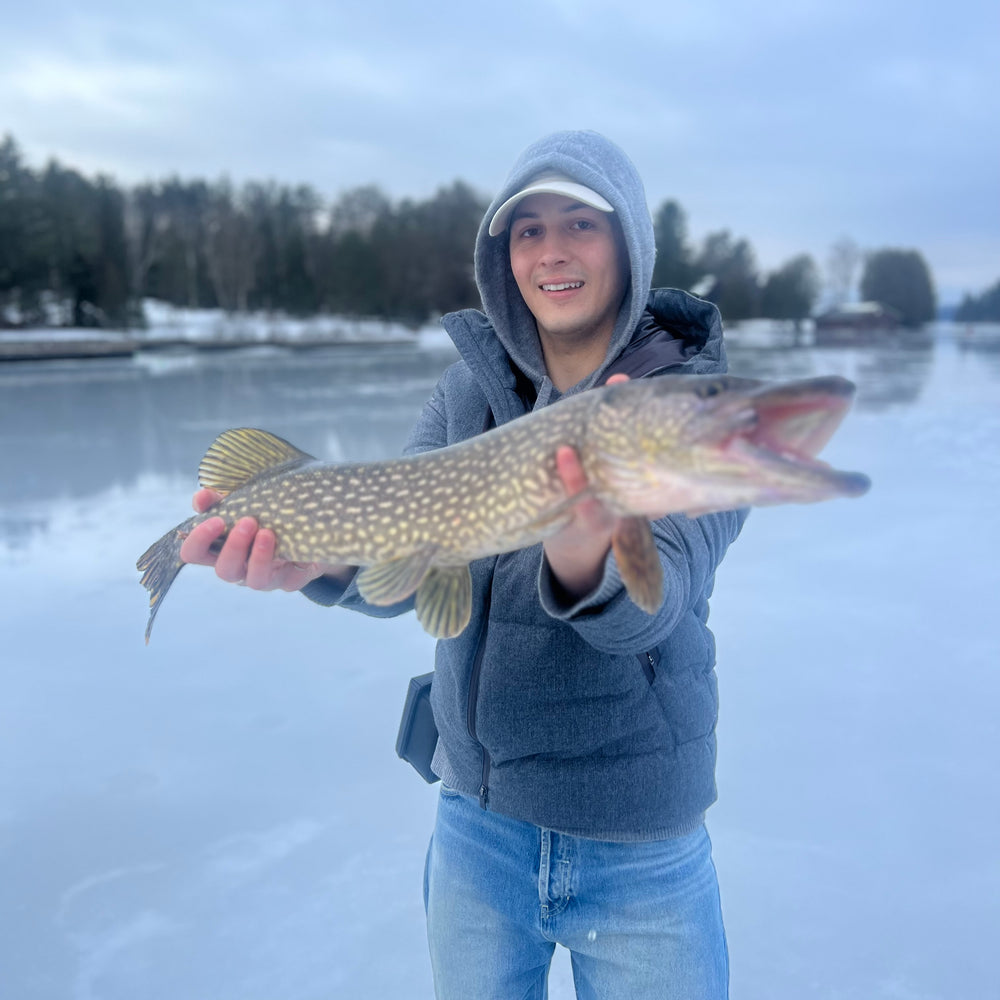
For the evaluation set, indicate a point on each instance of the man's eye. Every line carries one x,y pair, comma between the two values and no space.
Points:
527,232
584,224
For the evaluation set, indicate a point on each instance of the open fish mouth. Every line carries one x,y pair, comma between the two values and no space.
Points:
783,427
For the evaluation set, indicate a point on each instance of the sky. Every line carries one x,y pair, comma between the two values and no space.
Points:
794,123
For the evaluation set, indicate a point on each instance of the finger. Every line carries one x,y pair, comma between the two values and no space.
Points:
615,379
570,470
197,547
204,499
231,565
261,571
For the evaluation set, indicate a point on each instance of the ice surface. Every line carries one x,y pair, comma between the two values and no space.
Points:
221,815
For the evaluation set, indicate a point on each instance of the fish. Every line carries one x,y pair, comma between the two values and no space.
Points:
670,444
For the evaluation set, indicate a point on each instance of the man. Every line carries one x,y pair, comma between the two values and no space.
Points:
576,732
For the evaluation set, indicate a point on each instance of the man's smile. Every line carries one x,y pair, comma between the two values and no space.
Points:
560,286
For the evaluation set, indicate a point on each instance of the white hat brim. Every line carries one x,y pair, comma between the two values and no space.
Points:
547,185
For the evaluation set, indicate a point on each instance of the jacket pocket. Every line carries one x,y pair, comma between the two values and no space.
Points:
649,661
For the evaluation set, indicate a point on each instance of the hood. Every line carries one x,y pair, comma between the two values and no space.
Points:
598,163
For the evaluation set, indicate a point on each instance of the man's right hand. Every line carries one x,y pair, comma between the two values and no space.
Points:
247,555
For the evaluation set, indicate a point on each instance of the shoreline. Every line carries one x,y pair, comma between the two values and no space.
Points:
80,347
175,329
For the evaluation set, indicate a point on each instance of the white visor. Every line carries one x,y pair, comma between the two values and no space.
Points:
547,184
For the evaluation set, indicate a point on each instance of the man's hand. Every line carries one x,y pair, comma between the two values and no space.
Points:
247,555
576,553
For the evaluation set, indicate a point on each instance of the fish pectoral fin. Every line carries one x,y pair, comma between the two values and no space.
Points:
444,601
639,562
236,456
393,581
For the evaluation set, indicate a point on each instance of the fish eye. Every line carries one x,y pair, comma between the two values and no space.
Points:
709,389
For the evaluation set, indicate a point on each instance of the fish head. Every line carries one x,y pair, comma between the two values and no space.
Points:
698,444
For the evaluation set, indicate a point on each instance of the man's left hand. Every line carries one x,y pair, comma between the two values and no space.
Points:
576,553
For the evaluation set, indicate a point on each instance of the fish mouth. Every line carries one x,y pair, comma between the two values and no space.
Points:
782,428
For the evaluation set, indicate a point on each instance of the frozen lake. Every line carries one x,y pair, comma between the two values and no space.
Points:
221,815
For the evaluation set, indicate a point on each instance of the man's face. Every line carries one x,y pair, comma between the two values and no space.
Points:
570,265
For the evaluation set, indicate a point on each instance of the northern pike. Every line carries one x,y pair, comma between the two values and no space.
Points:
684,444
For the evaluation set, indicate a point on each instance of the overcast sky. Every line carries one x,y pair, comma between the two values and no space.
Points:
792,123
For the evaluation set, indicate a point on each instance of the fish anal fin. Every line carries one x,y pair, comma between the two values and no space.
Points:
639,562
444,601
236,456
393,581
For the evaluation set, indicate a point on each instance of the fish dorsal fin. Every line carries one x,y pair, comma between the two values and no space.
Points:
639,562
444,601
393,581
237,456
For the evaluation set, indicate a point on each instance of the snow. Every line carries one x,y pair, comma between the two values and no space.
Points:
221,814
169,325
167,322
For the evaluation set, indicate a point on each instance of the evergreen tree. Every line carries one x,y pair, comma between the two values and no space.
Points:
357,211
24,233
675,267
732,269
451,219
110,264
285,220
348,270
982,308
72,241
792,290
179,275
900,279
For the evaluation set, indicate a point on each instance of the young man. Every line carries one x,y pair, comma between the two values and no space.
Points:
576,746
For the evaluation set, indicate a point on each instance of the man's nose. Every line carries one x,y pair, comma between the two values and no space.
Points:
553,251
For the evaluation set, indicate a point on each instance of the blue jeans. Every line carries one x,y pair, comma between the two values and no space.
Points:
641,920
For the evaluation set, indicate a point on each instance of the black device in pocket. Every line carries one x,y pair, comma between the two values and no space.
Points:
418,734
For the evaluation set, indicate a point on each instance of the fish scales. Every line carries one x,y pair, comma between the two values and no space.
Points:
673,444
492,491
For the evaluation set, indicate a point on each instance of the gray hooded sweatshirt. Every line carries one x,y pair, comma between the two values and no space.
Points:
595,719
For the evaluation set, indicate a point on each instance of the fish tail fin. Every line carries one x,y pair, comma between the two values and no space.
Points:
159,565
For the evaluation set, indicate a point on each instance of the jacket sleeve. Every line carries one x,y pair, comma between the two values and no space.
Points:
430,431
690,551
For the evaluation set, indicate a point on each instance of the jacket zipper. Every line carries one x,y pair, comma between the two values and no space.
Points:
648,663
477,664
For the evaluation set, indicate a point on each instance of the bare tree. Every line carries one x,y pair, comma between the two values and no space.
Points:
842,265
231,249
146,224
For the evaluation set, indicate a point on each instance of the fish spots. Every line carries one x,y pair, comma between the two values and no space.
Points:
487,494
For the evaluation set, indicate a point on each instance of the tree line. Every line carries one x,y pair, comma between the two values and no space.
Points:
86,252
980,308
